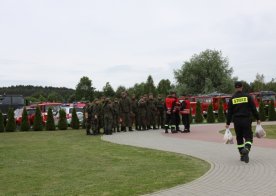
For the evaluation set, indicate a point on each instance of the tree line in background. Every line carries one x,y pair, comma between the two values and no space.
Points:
203,73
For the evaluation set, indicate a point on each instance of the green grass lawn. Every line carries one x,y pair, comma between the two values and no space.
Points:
269,129
71,163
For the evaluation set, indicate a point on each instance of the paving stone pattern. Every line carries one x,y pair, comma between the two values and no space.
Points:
227,176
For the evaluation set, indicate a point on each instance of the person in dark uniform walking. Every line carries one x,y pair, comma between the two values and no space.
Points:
240,109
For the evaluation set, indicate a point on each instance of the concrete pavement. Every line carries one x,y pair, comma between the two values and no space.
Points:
227,176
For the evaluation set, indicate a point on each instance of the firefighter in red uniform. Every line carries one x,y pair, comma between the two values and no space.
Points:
185,112
170,103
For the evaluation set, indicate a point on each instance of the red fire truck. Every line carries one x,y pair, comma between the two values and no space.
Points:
44,106
206,100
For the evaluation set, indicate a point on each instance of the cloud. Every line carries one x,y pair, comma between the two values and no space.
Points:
122,42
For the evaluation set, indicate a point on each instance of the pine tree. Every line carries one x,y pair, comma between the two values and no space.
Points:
2,127
221,116
11,125
50,123
62,123
210,114
25,125
198,115
262,111
75,123
271,112
38,124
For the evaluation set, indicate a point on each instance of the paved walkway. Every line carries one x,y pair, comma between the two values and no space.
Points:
227,176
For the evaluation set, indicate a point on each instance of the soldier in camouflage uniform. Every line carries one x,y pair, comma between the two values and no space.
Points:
146,99
134,107
96,111
101,115
125,112
116,115
108,116
142,110
160,112
152,111
88,117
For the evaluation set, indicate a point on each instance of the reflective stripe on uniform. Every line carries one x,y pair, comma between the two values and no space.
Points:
250,143
239,100
241,146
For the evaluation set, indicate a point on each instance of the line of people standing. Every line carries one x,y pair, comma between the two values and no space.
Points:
125,113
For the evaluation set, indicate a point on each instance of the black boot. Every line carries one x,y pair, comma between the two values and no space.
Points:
130,129
244,153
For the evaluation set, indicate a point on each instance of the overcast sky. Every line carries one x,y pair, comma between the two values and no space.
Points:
56,42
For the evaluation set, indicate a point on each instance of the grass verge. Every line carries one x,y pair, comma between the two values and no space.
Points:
71,163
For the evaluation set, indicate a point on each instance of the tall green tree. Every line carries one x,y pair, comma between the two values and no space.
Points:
50,123
2,127
38,123
204,73
11,125
55,97
259,83
119,91
271,86
210,114
198,115
149,86
221,116
84,89
164,87
62,123
75,122
262,111
25,124
108,91
139,89
271,111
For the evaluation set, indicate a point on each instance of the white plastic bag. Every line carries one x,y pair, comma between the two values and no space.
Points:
228,137
260,132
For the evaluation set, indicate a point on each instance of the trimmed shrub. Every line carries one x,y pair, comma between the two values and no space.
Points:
271,112
75,122
198,116
11,125
38,124
221,116
2,127
262,111
62,123
210,114
25,125
50,123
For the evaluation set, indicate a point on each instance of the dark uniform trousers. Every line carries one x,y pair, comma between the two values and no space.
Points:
243,129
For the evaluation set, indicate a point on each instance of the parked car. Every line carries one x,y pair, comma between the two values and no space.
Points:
18,115
44,106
